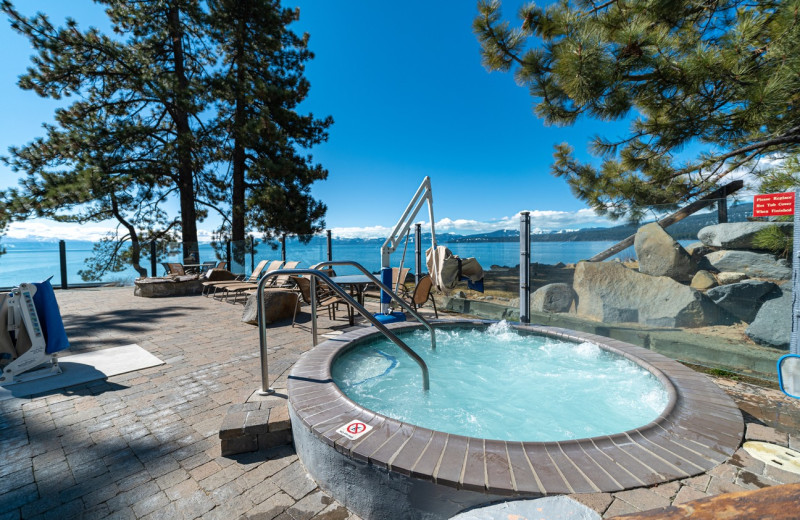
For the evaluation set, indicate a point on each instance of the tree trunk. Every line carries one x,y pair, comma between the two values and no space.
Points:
239,160
184,138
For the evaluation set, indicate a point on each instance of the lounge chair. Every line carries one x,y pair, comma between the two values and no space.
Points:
243,286
208,286
279,282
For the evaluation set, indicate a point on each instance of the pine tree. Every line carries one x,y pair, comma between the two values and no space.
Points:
258,87
719,77
143,89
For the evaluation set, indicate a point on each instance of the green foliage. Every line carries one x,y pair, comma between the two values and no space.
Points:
189,99
259,88
717,76
775,240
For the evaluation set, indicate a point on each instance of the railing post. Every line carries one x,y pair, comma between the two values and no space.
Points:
794,340
417,252
330,246
228,255
252,254
62,258
524,267
283,247
313,290
153,259
722,210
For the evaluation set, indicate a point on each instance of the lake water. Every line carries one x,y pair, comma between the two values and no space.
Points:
34,261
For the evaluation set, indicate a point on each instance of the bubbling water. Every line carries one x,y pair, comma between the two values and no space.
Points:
498,383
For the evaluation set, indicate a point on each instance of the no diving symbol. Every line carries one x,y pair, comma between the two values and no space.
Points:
354,429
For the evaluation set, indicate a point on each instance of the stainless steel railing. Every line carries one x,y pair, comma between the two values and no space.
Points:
385,289
314,274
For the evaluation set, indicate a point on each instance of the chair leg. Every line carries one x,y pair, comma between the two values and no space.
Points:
433,301
296,306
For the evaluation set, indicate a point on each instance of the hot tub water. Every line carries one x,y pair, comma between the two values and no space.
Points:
497,383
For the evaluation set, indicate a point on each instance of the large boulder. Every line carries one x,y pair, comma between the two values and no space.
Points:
279,304
773,323
611,292
554,297
754,265
736,235
742,299
660,255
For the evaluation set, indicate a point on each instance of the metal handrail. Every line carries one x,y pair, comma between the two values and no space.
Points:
385,289
262,327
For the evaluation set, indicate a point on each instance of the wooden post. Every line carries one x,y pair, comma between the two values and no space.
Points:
679,215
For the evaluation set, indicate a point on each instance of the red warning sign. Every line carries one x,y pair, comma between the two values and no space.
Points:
773,204
354,429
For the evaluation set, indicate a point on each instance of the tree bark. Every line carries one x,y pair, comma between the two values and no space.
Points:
184,139
135,245
239,159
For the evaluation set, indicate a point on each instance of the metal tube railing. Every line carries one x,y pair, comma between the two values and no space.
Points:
388,291
314,274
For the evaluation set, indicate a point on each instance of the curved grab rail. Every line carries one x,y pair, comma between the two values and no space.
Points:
262,327
385,289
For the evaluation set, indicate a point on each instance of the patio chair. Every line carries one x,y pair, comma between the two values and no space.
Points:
325,298
207,286
175,269
230,287
422,294
398,275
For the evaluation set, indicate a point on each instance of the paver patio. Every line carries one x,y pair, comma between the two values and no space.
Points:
145,444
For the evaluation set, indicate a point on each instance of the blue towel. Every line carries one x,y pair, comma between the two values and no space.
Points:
475,286
50,317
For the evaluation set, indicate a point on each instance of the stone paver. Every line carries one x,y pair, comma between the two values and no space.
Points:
144,444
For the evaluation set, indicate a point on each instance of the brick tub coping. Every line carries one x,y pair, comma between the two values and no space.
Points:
700,428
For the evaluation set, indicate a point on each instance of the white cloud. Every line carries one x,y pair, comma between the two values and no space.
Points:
46,229
540,221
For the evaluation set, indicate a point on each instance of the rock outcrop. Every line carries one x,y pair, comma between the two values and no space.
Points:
742,299
773,323
554,297
660,255
736,235
609,291
754,265
165,286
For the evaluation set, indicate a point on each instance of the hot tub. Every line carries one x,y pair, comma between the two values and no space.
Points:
405,467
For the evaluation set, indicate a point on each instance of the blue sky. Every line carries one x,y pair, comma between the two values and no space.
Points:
409,96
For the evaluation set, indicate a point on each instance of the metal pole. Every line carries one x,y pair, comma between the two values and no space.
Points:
722,210
228,255
62,257
794,343
262,343
153,259
417,252
252,254
524,267
313,310
330,246
283,247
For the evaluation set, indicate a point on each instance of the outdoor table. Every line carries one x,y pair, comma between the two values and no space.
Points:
356,282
